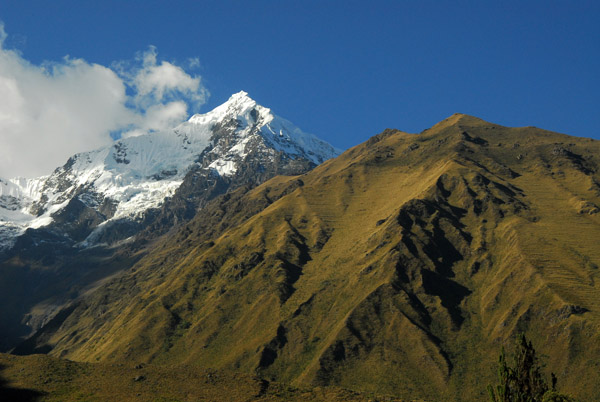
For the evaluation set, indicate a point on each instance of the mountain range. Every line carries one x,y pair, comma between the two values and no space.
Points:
400,267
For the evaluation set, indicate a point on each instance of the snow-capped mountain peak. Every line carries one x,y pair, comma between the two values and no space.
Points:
124,180
238,105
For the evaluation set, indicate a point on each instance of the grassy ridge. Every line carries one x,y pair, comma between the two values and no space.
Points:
400,267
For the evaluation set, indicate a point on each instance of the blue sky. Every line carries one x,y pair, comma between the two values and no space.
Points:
345,70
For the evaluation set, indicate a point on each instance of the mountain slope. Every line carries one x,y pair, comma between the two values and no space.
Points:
63,234
399,267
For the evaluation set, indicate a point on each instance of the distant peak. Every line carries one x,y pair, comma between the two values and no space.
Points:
238,104
239,95
240,98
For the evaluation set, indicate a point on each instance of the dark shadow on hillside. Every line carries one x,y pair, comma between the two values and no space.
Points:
8,393
36,344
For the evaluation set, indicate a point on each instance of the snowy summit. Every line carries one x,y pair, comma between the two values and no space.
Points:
134,174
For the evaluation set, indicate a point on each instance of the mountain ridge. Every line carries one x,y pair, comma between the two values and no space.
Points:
399,267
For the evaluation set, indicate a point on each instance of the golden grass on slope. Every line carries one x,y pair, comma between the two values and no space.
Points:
400,267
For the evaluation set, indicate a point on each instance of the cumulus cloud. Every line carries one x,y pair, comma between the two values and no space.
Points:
49,112
159,82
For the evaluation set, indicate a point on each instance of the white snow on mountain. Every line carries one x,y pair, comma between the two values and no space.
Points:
137,173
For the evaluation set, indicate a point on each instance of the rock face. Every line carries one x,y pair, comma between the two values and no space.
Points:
401,267
64,227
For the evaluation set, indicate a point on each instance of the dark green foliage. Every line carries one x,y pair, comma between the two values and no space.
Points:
523,382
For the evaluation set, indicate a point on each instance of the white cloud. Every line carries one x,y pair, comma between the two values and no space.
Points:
158,117
162,82
194,62
50,112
